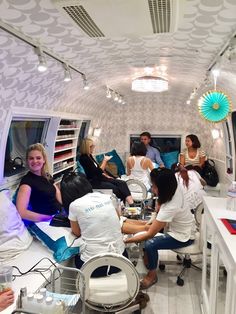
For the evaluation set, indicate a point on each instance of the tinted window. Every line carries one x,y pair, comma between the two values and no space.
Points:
21,134
165,144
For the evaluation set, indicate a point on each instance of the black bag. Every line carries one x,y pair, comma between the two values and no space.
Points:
13,166
60,220
209,173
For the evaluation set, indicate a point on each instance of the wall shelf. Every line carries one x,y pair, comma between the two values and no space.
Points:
64,149
65,139
64,168
65,156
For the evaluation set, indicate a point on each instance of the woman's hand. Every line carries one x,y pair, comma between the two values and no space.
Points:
6,299
106,175
107,158
104,162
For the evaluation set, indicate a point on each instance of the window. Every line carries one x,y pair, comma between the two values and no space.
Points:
22,133
82,133
168,146
164,143
228,142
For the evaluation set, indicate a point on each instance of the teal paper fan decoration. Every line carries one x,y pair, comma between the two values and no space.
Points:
214,106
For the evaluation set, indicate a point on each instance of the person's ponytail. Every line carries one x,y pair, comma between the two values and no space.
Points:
184,175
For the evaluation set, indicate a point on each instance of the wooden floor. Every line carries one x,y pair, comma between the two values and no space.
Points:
166,297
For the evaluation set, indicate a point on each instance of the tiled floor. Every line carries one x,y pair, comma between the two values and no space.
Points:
166,297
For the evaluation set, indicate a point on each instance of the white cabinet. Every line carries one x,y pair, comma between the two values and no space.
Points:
64,155
218,291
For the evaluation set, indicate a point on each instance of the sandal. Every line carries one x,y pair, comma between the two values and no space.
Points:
145,283
143,296
141,302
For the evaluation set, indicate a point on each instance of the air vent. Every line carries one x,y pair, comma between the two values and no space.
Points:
160,12
123,18
83,20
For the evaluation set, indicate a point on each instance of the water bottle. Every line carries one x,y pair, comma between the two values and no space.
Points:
231,197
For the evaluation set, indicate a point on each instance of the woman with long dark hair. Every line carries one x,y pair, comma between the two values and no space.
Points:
192,154
139,166
191,183
171,214
93,217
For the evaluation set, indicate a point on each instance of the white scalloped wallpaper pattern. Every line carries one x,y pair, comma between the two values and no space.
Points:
207,25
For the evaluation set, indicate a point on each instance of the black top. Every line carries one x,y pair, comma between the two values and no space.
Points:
43,194
91,167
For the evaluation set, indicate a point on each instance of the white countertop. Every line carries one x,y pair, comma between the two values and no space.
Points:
24,262
216,207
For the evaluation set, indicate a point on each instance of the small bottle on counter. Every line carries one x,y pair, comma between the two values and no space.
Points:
231,197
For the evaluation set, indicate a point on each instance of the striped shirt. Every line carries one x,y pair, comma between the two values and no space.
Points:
193,161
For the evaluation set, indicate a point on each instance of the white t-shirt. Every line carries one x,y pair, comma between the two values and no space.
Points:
180,220
14,237
99,225
194,193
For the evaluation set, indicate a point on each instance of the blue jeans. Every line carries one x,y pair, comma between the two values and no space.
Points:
161,242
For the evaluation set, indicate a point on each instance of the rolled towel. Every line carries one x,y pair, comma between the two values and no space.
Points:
153,217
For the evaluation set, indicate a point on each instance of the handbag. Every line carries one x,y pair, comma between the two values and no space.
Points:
60,220
13,166
209,173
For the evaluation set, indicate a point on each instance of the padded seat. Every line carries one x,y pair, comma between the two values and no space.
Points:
193,249
109,290
111,293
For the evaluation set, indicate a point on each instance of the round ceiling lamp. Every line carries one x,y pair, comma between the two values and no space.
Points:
214,106
146,84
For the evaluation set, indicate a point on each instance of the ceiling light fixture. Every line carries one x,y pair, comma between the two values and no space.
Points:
97,131
153,84
215,133
85,82
67,74
42,66
117,97
108,95
41,52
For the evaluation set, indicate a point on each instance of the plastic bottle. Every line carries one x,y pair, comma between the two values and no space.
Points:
59,308
43,291
231,197
28,303
39,303
49,305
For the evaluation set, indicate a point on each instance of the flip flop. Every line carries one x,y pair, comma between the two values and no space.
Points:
144,286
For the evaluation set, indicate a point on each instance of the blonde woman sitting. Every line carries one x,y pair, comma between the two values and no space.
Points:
37,188
97,175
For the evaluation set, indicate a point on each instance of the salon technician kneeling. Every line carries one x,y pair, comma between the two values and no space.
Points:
92,216
172,215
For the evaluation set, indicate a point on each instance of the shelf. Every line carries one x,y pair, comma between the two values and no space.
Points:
62,159
60,170
63,149
67,129
65,139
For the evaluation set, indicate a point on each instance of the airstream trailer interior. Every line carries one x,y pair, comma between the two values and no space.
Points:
109,71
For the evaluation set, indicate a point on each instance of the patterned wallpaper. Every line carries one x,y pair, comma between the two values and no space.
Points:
205,28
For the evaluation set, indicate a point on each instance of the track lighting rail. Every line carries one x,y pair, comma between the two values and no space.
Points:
35,45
